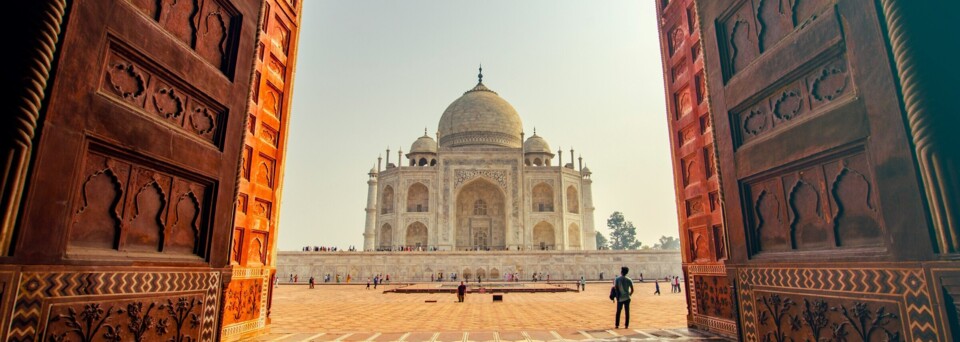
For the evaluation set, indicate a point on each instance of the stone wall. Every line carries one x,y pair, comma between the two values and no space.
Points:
418,266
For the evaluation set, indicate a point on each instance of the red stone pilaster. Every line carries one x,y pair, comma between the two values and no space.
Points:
702,234
253,248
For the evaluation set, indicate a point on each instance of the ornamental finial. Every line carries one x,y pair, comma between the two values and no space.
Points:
480,75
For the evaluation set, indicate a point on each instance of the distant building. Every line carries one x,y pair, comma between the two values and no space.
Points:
482,188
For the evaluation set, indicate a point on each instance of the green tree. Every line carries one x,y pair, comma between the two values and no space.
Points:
602,241
667,242
624,234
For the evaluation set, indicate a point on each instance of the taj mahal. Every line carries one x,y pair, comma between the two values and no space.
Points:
482,187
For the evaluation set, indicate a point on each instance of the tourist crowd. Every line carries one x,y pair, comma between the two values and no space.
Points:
327,249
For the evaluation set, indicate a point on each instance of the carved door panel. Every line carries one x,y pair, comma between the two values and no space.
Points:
136,163
816,158
822,203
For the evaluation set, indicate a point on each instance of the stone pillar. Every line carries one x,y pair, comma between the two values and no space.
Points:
589,241
928,106
371,223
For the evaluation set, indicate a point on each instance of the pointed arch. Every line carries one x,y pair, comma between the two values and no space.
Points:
542,197
185,231
573,200
97,222
416,236
481,218
573,235
544,237
386,236
146,227
386,200
418,198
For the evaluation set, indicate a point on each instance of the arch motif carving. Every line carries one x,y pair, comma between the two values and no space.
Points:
498,177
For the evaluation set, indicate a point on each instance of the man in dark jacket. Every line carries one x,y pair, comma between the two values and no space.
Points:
461,292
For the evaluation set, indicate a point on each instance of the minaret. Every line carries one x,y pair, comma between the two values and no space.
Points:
369,231
589,233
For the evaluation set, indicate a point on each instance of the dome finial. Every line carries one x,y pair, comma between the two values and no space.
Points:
534,130
424,131
480,75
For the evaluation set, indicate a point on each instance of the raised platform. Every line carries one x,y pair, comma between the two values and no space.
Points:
490,265
486,288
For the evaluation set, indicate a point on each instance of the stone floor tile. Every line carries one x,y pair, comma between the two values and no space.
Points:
570,334
389,337
481,336
450,336
332,337
420,336
665,334
599,334
512,336
540,336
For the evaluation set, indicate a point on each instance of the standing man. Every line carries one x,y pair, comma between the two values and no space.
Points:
583,284
461,292
623,301
311,282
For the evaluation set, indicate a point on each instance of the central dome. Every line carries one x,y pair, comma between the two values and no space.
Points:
480,118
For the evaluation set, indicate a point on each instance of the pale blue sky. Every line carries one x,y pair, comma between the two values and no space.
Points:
373,74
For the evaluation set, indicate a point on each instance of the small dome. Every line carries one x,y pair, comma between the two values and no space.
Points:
480,117
586,170
373,170
424,144
536,144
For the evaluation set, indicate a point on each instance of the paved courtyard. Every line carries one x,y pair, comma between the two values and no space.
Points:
353,313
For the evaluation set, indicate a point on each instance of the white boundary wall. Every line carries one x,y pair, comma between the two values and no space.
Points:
418,266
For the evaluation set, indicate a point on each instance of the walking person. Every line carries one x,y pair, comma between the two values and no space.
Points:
656,284
622,283
677,280
461,292
276,282
583,284
311,282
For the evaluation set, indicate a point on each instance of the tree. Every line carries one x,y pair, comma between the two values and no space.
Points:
624,234
602,241
667,242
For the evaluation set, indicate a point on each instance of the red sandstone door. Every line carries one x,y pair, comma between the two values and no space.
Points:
816,167
135,169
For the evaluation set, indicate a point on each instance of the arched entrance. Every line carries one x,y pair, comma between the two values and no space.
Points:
543,236
416,236
481,216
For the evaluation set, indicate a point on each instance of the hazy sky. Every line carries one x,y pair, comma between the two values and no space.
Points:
374,74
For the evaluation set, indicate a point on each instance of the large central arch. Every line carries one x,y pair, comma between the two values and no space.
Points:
481,218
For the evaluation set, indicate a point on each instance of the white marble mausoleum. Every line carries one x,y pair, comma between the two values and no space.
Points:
482,187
